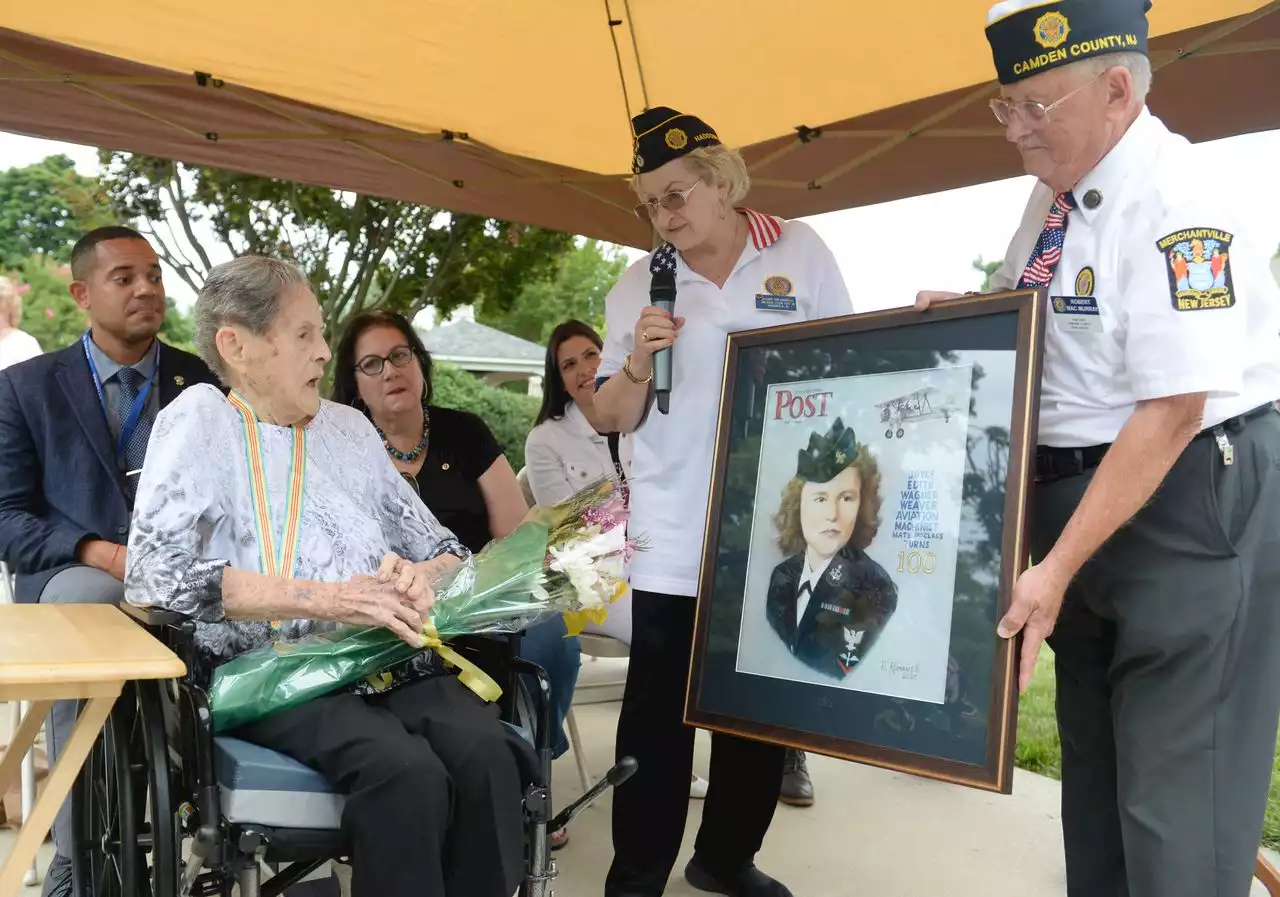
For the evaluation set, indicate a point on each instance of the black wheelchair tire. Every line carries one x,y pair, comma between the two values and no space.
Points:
123,798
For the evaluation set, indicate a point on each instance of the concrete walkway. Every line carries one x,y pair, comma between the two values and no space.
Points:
871,833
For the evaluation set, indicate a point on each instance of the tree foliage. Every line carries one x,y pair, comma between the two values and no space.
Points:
577,289
359,252
43,210
508,415
987,270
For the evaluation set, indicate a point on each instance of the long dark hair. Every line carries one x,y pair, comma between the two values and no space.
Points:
345,390
555,398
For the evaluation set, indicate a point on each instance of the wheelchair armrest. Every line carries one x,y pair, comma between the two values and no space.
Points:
153,617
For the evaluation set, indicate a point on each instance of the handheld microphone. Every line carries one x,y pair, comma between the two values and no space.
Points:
662,294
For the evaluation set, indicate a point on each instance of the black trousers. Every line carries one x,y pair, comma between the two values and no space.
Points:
1168,676
649,810
433,793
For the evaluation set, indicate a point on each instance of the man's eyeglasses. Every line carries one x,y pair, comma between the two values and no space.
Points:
673,201
371,365
1029,111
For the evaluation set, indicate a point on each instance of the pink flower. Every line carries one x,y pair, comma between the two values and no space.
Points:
48,312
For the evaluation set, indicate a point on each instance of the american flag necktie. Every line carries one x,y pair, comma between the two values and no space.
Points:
1048,252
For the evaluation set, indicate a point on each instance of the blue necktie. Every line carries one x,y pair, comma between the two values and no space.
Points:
135,450
1048,252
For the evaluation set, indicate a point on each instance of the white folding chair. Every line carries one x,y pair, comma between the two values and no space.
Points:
593,645
17,710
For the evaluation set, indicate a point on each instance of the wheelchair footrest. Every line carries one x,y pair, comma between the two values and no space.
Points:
621,771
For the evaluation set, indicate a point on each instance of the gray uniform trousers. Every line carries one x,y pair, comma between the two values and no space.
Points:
1168,673
75,585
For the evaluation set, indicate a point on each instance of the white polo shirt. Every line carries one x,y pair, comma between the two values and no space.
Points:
785,274
1141,305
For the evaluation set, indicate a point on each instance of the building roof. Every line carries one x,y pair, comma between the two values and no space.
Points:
474,346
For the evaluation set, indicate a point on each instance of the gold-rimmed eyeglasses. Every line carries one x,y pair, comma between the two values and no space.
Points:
672,201
1031,112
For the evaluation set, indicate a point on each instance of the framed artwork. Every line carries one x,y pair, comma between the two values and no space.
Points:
867,522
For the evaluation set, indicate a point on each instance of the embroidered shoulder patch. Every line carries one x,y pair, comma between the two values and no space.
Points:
1198,262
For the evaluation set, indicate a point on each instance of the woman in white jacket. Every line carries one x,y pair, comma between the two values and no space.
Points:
566,450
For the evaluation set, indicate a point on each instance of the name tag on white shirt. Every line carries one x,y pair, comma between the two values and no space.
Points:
1077,314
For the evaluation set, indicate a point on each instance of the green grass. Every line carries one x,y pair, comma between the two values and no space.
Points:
1039,750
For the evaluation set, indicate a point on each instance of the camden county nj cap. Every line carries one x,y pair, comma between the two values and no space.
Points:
1029,37
663,134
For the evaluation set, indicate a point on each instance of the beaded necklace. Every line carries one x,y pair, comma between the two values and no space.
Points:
417,451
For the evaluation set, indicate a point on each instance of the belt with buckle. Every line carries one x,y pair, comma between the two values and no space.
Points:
1059,463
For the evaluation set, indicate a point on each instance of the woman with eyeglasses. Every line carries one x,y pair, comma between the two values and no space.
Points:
735,269
455,464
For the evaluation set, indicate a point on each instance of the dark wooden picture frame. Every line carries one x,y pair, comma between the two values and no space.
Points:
969,738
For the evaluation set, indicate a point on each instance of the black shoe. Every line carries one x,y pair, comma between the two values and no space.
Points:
797,788
58,881
748,882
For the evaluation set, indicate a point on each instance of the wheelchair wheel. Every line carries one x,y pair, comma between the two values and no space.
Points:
124,817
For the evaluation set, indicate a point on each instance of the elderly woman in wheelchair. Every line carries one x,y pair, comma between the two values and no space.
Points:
267,514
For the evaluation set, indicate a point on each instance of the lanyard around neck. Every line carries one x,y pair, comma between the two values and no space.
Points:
276,558
139,403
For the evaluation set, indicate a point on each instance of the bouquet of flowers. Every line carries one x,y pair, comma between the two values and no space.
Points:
564,559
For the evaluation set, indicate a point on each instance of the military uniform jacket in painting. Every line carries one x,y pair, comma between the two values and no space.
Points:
1158,293
845,614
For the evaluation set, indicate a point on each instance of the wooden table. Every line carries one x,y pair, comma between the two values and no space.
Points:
52,652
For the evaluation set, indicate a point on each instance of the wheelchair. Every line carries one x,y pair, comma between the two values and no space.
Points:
165,808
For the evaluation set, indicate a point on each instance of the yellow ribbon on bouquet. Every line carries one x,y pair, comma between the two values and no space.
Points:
469,674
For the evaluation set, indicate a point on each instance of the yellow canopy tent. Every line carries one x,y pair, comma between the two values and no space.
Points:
519,108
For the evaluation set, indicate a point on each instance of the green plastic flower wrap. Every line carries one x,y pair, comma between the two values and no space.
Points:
564,559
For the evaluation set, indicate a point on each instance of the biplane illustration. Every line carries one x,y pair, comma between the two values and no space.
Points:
913,408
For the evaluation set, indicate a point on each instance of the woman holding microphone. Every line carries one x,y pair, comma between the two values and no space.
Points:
735,269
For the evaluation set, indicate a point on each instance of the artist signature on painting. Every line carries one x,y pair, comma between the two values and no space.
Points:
907,672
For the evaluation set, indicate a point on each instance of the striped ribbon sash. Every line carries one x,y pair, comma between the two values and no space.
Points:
275,558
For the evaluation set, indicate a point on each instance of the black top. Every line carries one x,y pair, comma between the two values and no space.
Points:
845,615
460,450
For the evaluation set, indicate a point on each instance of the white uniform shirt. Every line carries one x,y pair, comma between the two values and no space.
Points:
1127,323
563,456
785,274
812,578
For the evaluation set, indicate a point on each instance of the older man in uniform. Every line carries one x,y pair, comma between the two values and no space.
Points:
1156,527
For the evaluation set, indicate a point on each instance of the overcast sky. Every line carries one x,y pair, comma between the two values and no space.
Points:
889,251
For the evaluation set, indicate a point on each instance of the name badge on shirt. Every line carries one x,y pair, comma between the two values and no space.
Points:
766,302
1077,314
778,295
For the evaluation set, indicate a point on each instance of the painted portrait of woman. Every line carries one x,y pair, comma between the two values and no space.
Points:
828,601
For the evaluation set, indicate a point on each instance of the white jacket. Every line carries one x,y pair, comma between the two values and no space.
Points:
562,456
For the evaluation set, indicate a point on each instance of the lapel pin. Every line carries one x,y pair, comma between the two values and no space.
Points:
179,381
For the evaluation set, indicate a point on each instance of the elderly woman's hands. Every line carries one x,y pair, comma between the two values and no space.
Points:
398,597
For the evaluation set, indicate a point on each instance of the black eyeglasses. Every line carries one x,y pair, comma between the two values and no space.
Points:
371,365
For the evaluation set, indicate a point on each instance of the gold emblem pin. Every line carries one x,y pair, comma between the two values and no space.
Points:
179,381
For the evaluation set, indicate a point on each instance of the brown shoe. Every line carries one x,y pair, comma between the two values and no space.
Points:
797,788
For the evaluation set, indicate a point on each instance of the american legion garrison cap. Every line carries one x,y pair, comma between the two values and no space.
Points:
663,134
1029,37
827,454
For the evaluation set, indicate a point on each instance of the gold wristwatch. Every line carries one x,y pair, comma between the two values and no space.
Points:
626,369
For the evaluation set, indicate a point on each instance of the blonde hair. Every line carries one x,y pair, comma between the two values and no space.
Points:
10,302
716,164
